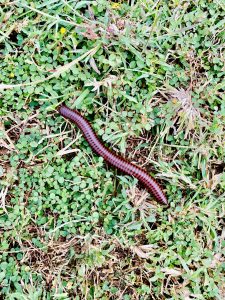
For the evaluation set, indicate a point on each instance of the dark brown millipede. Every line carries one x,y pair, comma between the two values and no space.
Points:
112,158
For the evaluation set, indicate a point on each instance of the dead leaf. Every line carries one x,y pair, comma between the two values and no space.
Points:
93,65
171,271
214,181
139,252
90,34
144,119
144,251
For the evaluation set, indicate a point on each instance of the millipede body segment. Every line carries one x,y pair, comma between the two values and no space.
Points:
112,158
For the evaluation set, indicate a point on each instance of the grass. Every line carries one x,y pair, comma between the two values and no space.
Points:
149,76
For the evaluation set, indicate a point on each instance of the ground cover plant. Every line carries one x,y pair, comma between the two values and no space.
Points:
149,76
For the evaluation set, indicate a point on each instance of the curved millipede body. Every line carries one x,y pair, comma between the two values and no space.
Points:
112,158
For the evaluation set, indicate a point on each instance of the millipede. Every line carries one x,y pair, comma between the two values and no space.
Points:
110,157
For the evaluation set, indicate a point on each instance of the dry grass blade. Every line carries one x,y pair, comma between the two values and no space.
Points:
56,73
106,82
6,142
187,115
140,200
3,194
